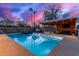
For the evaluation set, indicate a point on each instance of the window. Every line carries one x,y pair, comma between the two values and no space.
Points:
66,25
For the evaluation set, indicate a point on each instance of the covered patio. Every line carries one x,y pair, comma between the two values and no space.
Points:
63,26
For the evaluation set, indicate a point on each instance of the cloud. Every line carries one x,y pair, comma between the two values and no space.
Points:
15,9
22,10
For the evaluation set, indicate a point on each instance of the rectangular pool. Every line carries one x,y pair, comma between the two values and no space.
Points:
40,45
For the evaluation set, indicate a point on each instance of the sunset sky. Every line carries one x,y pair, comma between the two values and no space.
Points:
20,12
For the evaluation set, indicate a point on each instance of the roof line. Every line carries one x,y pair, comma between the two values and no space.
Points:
61,19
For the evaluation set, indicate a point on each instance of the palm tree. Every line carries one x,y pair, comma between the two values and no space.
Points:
34,17
31,9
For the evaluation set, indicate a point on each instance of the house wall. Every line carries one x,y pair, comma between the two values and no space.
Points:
71,22
78,33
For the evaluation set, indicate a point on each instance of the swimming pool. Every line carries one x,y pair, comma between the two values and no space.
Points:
40,45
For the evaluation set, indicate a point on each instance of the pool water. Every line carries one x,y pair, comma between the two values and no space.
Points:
40,45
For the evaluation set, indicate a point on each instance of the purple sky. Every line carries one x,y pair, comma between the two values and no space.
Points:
21,11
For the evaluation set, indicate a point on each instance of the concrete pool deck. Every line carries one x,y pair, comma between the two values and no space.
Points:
67,47
10,48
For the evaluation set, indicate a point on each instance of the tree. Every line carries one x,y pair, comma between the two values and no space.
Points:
32,13
31,10
66,15
21,24
52,12
34,17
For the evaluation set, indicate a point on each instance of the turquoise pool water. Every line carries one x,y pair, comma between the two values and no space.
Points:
40,45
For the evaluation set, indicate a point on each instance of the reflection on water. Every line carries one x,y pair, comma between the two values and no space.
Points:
36,43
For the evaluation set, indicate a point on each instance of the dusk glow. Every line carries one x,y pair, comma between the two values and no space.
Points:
39,29
21,11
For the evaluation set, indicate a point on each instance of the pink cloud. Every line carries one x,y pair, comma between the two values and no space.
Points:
68,5
38,17
6,9
7,12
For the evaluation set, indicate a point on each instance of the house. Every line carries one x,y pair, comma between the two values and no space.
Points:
7,26
6,23
77,30
63,26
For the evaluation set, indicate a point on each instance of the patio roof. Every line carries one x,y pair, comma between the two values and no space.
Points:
54,21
